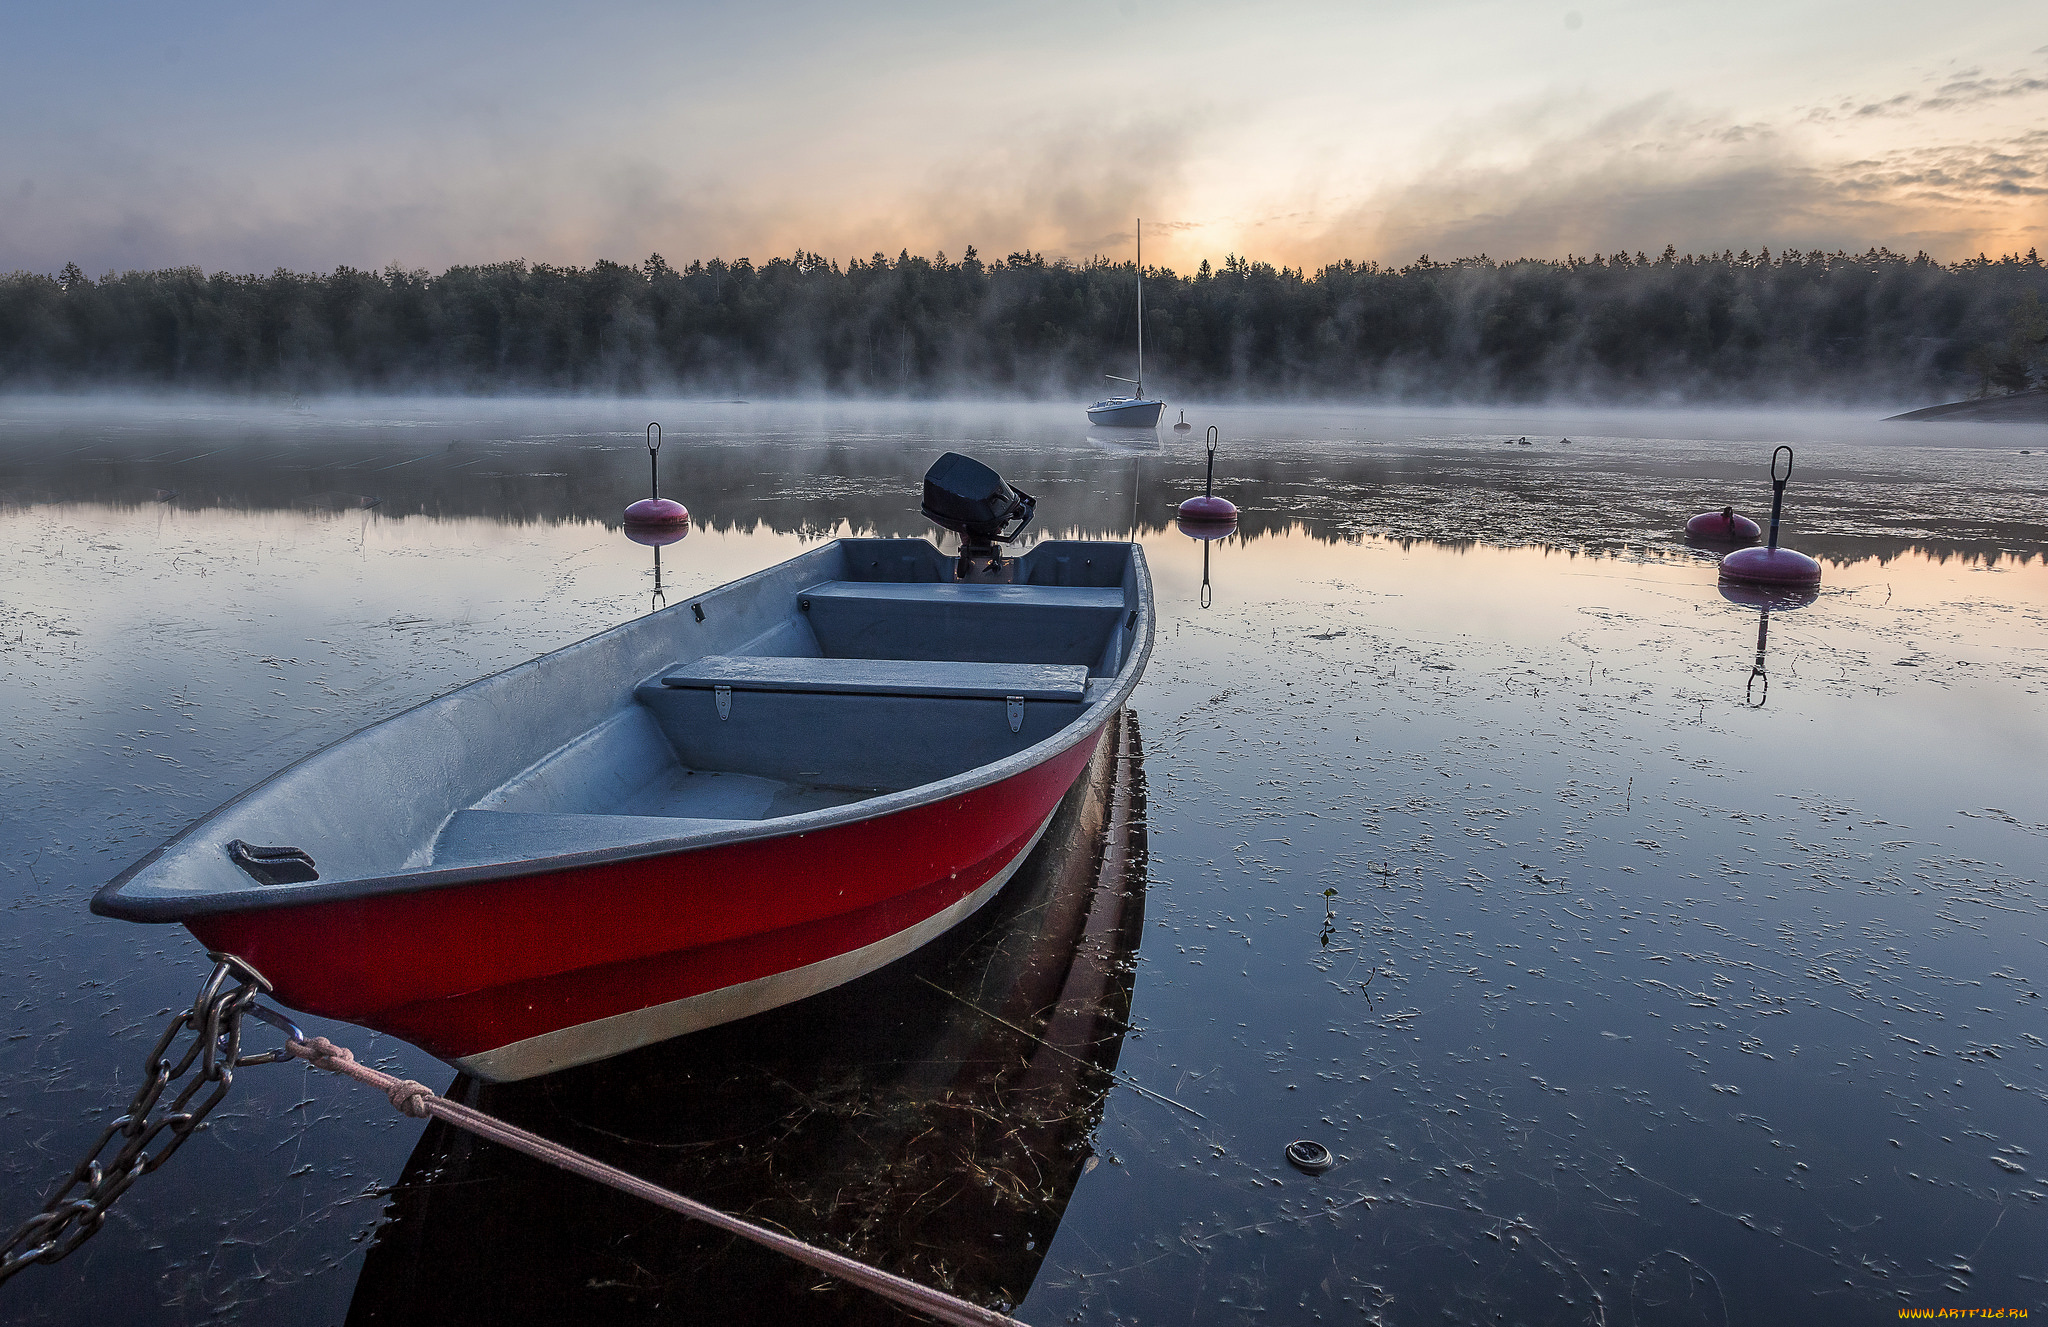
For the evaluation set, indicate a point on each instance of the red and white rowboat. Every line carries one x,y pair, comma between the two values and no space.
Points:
710,811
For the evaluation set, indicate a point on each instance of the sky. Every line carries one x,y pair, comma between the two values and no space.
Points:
245,137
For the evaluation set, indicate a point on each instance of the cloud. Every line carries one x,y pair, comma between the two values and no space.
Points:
1964,88
1539,175
1066,186
1071,189
1654,173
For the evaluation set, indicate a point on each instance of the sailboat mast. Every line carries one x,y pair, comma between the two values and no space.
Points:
1141,307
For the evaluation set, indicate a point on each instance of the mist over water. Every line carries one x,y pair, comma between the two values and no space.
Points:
1601,479
1623,993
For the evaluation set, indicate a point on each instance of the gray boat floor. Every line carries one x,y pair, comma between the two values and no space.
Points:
681,801
709,795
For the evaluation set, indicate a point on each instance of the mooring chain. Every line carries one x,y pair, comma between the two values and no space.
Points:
79,1209
214,1021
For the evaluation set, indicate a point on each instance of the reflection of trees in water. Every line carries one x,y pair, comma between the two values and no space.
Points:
933,1119
1446,497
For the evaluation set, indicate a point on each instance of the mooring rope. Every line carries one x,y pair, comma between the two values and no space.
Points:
420,1101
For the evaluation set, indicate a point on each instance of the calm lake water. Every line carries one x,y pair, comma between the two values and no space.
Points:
1628,985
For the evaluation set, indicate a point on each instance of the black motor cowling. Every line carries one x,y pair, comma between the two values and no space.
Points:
965,496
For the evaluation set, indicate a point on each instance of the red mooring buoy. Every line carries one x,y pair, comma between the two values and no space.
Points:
657,511
1183,426
656,515
1772,565
1725,526
1209,508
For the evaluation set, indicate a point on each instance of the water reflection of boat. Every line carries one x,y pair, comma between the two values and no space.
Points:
1136,411
1764,598
932,1118
698,815
1125,442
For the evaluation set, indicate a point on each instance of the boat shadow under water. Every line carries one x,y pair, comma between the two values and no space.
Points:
932,1118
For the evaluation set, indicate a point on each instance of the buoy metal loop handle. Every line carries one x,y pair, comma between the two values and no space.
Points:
653,461
1209,481
1778,491
654,437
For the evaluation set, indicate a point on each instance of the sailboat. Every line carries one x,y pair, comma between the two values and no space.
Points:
1135,411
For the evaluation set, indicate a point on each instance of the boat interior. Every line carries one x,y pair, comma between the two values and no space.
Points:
884,675
860,668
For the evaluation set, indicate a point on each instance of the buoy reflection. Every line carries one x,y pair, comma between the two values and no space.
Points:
657,538
1208,532
1765,598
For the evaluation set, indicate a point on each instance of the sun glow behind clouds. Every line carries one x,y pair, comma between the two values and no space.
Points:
247,137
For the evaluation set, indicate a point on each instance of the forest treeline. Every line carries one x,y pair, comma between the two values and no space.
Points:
1870,326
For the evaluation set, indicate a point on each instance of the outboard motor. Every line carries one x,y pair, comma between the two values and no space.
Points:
965,496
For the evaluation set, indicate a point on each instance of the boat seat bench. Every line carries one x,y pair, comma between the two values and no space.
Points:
967,595
923,620
860,722
883,677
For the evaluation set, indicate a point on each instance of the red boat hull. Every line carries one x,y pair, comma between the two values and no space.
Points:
521,975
